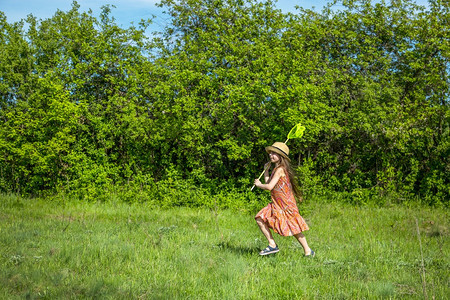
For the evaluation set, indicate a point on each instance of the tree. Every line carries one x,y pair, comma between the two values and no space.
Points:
87,106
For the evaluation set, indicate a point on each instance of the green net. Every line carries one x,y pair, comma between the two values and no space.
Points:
296,132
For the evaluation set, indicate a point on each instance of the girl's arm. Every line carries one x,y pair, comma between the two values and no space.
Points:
271,184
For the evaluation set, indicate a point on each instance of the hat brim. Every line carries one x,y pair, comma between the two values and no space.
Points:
278,151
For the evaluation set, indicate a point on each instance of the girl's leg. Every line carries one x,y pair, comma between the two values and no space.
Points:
266,231
302,240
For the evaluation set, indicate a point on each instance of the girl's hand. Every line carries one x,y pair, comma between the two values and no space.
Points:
267,166
257,183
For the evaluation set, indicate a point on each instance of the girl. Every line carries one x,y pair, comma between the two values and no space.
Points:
281,215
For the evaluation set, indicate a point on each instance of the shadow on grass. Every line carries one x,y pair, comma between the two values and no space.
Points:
238,249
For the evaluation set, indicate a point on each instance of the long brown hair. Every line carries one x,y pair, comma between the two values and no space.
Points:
284,163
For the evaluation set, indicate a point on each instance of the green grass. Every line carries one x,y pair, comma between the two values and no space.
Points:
53,250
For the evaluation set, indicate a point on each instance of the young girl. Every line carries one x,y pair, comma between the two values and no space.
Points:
281,215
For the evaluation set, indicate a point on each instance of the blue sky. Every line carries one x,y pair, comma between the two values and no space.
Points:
126,11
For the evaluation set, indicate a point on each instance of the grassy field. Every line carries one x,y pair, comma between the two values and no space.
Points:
119,251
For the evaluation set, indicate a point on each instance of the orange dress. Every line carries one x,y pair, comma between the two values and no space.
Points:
282,214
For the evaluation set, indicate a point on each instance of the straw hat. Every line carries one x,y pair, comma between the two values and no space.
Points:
279,148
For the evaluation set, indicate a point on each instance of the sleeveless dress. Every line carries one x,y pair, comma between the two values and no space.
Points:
282,214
